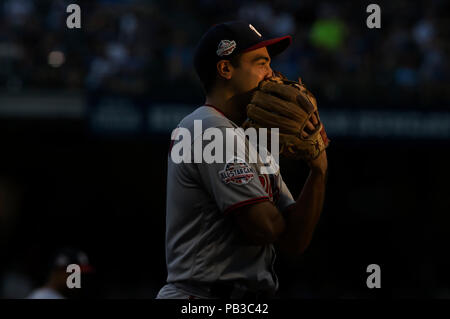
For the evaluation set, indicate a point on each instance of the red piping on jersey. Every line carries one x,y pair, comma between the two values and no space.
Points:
245,203
215,107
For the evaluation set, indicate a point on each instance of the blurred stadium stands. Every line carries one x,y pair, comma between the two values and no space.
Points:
145,47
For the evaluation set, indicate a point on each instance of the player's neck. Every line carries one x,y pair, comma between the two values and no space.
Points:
233,107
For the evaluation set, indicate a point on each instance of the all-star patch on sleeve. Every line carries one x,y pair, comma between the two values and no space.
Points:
237,171
233,182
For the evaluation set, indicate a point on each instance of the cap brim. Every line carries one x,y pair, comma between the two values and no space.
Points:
274,46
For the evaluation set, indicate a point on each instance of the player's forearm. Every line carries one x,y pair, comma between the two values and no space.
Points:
302,217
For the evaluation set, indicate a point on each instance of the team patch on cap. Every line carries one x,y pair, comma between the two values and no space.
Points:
237,172
226,47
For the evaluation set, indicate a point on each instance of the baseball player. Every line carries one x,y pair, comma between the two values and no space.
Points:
224,219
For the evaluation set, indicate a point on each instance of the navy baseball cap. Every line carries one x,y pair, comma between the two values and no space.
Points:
226,40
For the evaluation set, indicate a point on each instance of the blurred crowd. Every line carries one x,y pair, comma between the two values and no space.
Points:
145,48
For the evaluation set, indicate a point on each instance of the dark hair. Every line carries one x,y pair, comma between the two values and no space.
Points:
209,76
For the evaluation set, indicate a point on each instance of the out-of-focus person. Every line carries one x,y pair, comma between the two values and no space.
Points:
56,286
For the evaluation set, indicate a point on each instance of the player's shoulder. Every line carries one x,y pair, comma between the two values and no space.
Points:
209,117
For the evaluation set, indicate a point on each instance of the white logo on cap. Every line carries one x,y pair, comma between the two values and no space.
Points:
253,28
226,47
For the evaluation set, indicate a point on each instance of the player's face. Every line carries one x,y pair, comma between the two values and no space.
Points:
253,68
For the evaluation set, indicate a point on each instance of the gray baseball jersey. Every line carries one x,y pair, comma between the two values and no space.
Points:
203,245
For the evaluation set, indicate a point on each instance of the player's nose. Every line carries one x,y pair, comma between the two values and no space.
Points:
269,73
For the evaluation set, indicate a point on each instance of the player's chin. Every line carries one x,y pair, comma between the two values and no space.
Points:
251,89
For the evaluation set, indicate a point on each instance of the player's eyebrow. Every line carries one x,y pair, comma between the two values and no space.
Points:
261,57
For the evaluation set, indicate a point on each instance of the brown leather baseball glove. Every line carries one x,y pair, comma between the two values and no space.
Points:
288,105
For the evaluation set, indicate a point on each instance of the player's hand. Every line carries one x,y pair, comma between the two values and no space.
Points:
319,164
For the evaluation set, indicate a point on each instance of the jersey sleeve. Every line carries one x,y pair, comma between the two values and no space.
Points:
232,181
285,200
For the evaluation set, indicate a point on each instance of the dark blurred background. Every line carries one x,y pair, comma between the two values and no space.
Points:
86,116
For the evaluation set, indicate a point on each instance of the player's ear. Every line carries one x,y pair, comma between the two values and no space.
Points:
225,69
